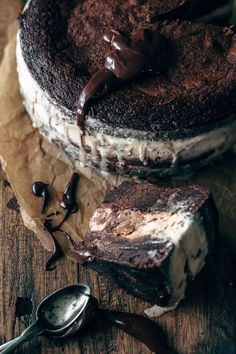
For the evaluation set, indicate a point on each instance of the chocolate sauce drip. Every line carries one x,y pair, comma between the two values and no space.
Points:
84,255
97,86
144,52
139,327
40,189
68,203
69,195
57,250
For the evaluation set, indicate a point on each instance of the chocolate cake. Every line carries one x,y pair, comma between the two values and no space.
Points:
152,241
174,112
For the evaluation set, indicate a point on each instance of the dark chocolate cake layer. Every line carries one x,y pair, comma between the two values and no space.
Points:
62,45
152,241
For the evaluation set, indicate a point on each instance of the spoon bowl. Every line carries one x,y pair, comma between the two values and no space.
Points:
55,314
60,309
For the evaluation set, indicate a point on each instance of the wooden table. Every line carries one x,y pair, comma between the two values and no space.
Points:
204,323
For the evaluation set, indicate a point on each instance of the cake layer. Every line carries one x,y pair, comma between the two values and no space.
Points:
62,44
152,241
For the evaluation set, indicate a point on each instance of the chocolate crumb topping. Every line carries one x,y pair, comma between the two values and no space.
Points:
144,52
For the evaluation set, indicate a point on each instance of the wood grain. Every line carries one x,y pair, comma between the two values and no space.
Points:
204,323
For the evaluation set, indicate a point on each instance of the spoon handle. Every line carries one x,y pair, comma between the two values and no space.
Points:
31,332
6,345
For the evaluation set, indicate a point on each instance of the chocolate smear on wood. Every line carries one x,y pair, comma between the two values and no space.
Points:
13,204
139,327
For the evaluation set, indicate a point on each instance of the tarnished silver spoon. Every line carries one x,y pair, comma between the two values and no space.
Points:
56,313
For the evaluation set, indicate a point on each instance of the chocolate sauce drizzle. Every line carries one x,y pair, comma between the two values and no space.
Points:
55,257
57,250
40,189
69,204
69,195
144,52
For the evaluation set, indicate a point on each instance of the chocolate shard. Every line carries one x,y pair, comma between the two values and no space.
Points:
152,241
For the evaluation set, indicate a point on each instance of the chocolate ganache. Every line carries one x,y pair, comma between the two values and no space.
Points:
143,52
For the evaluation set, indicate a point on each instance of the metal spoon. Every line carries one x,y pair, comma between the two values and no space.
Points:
56,313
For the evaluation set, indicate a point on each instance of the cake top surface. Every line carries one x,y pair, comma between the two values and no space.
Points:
148,197
62,43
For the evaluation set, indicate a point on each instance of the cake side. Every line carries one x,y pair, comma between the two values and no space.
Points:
152,241
132,152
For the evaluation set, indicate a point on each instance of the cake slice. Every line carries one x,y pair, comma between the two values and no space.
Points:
152,241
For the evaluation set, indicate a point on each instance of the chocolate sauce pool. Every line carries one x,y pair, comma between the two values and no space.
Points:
143,52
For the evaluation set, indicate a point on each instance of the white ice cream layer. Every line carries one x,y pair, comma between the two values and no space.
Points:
92,148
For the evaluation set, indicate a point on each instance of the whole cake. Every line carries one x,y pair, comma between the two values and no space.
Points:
130,87
152,241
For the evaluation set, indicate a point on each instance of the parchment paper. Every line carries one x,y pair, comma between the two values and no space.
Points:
27,157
